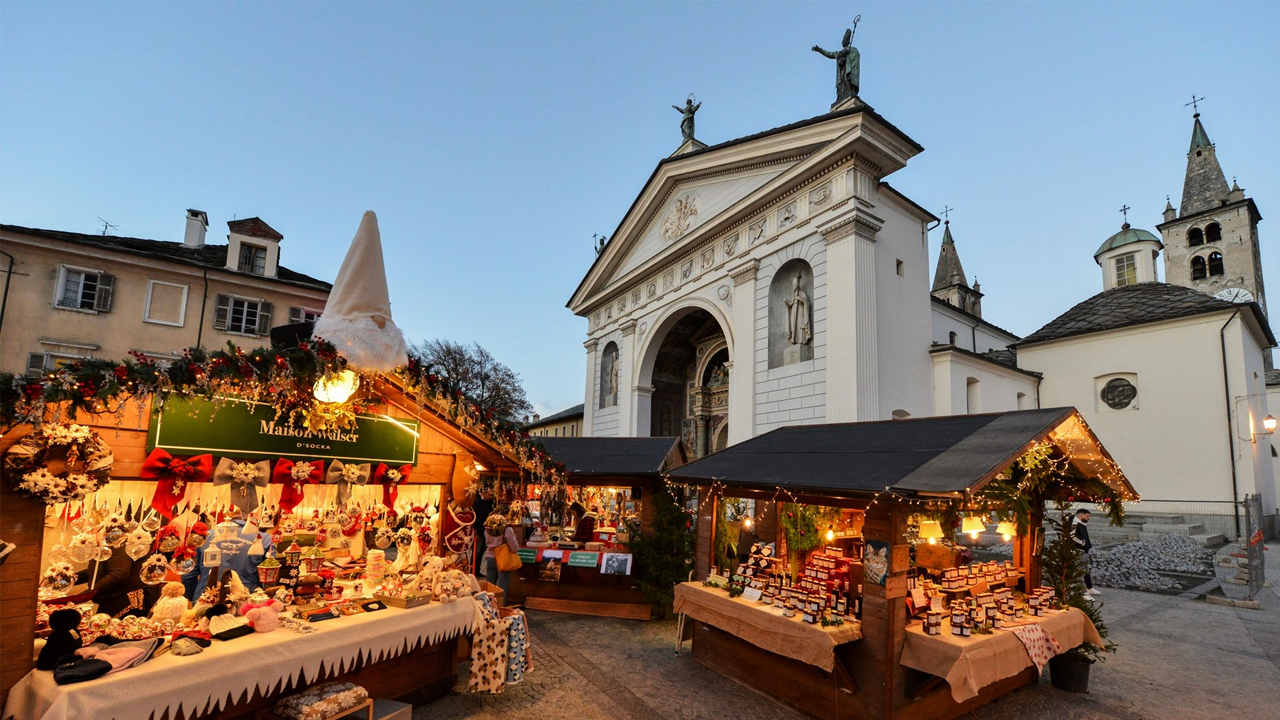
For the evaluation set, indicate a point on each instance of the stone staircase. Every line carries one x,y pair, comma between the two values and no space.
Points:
1148,527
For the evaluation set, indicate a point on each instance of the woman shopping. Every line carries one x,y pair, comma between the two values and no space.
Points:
502,551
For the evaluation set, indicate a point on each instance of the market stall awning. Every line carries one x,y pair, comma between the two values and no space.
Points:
920,456
616,457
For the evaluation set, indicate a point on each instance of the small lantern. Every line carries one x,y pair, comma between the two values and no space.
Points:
293,555
312,560
269,570
212,557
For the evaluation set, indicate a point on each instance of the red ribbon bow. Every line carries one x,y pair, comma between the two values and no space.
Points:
294,490
172,476
391,486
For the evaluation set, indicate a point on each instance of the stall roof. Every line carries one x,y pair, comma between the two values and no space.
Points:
616,456
924,456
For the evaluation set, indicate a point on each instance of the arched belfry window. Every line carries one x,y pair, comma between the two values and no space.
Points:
1195,236
1215,264
1198,271
1213,233
610,376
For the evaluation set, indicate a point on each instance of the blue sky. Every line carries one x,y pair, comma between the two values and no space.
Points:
493,139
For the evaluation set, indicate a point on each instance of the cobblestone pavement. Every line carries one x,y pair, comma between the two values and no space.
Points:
1180,658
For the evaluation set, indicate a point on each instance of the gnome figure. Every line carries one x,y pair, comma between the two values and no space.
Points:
357,318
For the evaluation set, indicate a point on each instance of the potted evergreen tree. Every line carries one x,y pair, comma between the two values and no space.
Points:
1063,570
664,553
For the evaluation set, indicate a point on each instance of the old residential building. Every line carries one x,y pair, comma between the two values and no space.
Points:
566,423
71,296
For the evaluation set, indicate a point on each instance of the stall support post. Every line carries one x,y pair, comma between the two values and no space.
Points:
875,661
1025,556
21,523
707,513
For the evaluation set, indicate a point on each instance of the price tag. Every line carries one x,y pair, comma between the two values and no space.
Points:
752,594
918,600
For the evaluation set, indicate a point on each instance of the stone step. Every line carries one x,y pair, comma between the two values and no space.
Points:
1139,519
1210,540
1172,529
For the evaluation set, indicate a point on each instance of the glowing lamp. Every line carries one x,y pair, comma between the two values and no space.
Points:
831,534
746,523
1269,423
337,388
480,468
1006,530
930,530
973,525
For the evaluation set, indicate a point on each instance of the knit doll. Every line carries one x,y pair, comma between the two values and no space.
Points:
262,615
172,604
64,639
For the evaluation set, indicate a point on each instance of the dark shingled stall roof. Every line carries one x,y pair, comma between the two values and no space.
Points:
612,456
925,455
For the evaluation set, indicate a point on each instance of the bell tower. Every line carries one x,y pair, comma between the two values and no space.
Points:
949,282
1211,240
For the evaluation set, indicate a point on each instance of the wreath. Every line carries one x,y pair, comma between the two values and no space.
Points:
58,463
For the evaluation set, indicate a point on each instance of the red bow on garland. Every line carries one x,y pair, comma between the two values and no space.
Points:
391,479
172,475
294,490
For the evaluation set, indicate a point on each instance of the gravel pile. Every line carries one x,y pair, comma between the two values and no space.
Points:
1136,564
1000,549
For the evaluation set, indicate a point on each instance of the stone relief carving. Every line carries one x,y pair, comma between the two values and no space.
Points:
819,197
668,280
679,218
622,306
595,321
725,294
731,245
644,326
787,215
635,298
686,270
608,313
756,232
708,258
653,290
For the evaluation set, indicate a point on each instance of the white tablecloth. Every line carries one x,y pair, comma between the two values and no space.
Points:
226,671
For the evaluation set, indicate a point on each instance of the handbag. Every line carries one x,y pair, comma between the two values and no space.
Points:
506,560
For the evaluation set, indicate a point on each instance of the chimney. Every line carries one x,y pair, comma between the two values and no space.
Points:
197,223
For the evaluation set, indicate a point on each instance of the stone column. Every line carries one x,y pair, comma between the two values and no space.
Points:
626,402
589,397
853,386
642,410
742,375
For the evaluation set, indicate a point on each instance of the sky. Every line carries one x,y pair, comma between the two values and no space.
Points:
493,139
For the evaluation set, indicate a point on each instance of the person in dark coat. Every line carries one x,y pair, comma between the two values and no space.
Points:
1080,534
119,585
483,506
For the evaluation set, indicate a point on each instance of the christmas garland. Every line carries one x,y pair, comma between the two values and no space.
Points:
58,463
284,379
1042,474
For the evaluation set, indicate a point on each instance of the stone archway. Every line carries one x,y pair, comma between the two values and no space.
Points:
684,372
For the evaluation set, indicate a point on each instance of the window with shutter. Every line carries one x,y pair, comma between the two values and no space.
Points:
102,295
35,365
78,289
222,312
301,314
264,318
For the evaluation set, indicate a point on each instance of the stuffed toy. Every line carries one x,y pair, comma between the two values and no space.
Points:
64,640
172,604
424,581
262,616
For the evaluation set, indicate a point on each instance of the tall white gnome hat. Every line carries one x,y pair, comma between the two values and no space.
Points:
357,317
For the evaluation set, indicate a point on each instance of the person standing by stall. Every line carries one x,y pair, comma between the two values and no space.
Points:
1080,534
584,529
498,536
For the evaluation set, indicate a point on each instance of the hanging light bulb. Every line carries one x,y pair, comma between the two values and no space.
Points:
930,530
747,523
831,533
973,525
338,388
1006,530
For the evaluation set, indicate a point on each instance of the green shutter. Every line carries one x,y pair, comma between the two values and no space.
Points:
221,311
264,318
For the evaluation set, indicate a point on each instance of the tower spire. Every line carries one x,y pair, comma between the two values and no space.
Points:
1205,186
950,284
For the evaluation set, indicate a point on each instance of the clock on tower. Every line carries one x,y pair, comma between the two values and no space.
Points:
1234,295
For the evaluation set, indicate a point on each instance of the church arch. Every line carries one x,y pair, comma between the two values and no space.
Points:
1195,237
791,314
610,376
1215,264
1198,268
683,372
1212,232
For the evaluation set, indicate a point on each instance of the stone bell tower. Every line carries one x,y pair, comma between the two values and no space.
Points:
1211,240
949,282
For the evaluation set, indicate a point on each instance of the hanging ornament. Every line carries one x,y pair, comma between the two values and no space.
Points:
345,543
168,539
184,560
197,535
417,516
288,526
277,537
58,579
154,570
384,537
113,530
151,522
322,535
102,553
58,554
424,538
83,547
330,515
137,543
404,539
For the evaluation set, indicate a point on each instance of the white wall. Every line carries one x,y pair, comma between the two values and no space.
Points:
997,389
971,334
1174,441
902,311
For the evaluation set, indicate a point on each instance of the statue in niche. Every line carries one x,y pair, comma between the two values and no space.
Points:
798,330
686,121
848,63
613,381
719,376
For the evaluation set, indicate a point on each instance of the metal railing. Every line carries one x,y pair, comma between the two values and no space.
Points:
1252,542
1184,517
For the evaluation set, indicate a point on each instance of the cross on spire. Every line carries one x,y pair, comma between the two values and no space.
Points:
1195,108
946,212
1125,209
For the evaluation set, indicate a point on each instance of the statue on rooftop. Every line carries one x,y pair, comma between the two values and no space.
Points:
848,63
686,122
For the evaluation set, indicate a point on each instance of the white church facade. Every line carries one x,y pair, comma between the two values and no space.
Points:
779,279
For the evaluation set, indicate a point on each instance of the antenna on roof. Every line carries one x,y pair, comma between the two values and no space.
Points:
106,226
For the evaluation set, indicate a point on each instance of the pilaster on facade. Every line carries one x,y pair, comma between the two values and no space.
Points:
857,221
742,385
852,373
641,417
628,328
626,357
589,406
745,273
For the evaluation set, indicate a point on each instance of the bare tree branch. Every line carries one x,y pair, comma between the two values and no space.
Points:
477,373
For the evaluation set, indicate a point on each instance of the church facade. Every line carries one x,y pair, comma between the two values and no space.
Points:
780,279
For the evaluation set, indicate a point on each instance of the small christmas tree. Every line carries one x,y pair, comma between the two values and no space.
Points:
1063,570
663,553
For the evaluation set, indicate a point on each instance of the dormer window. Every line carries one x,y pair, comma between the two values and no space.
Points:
253,259
1126,270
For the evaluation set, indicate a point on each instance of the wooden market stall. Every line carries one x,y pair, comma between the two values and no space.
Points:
889,480
618,478
397,653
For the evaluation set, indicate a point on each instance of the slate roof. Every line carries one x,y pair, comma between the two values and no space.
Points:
208,256
950,271
971,316
613,456
1272,378
573,412
917,455
1132,305
1128,235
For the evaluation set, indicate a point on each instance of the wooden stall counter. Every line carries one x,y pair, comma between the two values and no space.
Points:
392,653
583,584
969,664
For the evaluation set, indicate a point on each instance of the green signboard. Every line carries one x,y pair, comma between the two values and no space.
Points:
584,559
243,429
528,555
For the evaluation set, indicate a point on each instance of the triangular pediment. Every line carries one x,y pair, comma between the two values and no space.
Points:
692,196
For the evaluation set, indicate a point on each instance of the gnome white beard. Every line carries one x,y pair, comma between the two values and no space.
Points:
365,345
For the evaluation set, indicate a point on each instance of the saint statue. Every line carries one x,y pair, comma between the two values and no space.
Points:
848,62
798,331
686,122
613,381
